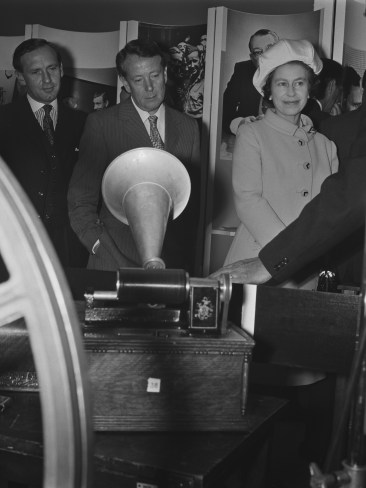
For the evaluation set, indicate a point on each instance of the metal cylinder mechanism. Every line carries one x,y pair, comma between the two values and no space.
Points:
138,285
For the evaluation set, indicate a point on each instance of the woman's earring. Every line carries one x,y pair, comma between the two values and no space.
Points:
270,97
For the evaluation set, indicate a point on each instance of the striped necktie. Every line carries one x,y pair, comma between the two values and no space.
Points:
48,124
156,140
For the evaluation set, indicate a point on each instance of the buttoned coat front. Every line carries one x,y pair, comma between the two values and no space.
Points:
109,133
44,171
278,168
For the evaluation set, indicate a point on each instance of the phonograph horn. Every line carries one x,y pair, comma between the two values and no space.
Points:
142,188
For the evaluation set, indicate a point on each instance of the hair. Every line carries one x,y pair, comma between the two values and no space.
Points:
143,48
29,46
102,94
350,78
267,85
331,70
262,33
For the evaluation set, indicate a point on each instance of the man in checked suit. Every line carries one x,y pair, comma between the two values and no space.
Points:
108,133
42,156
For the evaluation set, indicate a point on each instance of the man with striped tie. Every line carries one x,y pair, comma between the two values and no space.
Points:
39,140
141,120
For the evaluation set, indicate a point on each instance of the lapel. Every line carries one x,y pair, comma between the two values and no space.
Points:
132,126
31,128
173,129
65,126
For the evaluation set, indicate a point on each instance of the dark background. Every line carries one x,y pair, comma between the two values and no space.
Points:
104,15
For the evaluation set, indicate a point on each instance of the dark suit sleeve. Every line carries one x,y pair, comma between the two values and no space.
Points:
240,98
338,210
231,100
84,188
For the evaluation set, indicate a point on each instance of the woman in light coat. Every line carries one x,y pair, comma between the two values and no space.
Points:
279,161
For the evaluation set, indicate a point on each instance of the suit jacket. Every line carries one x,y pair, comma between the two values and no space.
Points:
109,133
348,131
331,216
316,114
240,98
43,170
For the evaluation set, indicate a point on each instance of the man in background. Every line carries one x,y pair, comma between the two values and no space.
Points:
240,98
39,140
142,120
100,100
352,90
327,93
348,132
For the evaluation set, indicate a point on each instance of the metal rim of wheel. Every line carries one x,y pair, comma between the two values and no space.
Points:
37,291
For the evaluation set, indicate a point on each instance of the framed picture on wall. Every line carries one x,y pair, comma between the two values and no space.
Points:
7,75
185,50
87,95
7,86
89,64
231,59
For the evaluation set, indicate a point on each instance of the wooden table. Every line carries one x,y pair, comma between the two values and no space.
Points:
146,460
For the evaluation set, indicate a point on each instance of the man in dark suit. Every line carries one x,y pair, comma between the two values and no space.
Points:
326,93
41,148
113,131
348,131
240,98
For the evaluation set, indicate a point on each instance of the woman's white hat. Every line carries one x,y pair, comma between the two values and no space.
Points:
284,51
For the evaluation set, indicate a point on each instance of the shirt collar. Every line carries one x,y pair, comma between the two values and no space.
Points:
35,106
160,113
283,125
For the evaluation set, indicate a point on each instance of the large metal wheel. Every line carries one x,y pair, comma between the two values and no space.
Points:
36,290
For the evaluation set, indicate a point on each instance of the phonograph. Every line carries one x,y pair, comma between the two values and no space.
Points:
161,355
160,352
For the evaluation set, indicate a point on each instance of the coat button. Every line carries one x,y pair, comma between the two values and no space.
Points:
307,165
305,193
40,194
281,264
301,142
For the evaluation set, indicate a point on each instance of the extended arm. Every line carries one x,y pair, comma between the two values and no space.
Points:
336,212
331,216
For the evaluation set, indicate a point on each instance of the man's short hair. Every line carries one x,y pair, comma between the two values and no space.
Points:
102,94
262,32
31,45
140,47
332,70
350,78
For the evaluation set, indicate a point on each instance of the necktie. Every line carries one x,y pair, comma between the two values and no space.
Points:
156,140
48,124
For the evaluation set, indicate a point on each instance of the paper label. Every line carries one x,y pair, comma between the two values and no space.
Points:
153,385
